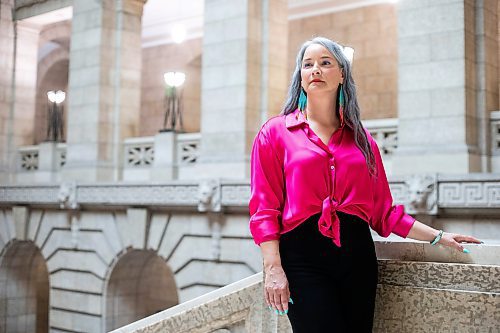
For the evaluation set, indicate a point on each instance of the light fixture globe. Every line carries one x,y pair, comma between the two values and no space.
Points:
174,79
56,96
349,53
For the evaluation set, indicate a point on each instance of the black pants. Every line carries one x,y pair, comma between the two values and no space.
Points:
333,288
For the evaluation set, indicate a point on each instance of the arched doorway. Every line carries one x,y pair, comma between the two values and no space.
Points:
140,284
24,289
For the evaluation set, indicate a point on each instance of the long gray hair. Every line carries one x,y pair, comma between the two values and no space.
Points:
351,107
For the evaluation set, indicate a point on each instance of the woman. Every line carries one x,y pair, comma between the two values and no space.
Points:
317,186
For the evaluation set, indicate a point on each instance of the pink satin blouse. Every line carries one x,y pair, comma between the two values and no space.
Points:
295,175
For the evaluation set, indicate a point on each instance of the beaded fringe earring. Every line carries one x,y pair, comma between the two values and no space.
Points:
302,100
341,104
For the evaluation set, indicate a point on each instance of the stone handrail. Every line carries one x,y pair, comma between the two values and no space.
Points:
421,287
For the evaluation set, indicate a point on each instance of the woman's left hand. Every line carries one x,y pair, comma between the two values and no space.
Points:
454,240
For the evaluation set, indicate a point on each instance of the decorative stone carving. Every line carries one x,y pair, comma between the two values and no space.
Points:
209,196
235,194
139,155
188,148
421,195
469,194
67,195
454,191
29,160
139,194
385,133
29,194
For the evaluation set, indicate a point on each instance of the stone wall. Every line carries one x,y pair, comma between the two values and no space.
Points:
109,267
372,32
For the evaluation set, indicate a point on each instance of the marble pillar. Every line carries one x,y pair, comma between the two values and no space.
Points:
6,107
104,87
441,122
244,80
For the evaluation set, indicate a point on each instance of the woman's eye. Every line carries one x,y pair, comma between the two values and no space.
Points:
306,65
326,62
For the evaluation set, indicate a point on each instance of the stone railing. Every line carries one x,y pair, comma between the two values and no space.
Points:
421,288
33,158
188,148
61,155
165,156
182,151
495,140
173,155
28,159
385,132
421,194
138,152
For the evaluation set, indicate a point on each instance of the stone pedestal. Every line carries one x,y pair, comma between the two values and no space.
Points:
48,170
104,87
244,80
439,120
165,151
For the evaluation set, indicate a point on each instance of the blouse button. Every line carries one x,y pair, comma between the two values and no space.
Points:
332,167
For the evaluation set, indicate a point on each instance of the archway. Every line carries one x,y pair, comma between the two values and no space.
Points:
140,284
24,290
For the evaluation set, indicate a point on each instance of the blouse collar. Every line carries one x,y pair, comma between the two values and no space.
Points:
297,118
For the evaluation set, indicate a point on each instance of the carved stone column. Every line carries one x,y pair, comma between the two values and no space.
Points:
104,87
18,65
442,107
244,80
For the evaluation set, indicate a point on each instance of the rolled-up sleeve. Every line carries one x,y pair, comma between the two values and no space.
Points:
387,218
267,190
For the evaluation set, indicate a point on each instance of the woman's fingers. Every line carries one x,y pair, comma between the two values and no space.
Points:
277,299
454,240
285,296
276,290
266,297
467,239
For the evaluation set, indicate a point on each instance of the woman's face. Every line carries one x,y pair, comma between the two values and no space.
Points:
320,71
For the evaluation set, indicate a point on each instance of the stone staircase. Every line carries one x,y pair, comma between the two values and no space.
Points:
421,289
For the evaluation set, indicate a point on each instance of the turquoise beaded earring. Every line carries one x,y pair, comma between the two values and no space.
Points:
302,100
341,104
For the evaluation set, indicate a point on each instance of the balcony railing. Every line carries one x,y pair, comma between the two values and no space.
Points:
139,153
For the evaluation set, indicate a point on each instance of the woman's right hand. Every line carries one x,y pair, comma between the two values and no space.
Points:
276,289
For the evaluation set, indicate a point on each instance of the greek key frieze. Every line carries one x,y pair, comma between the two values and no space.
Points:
469,194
